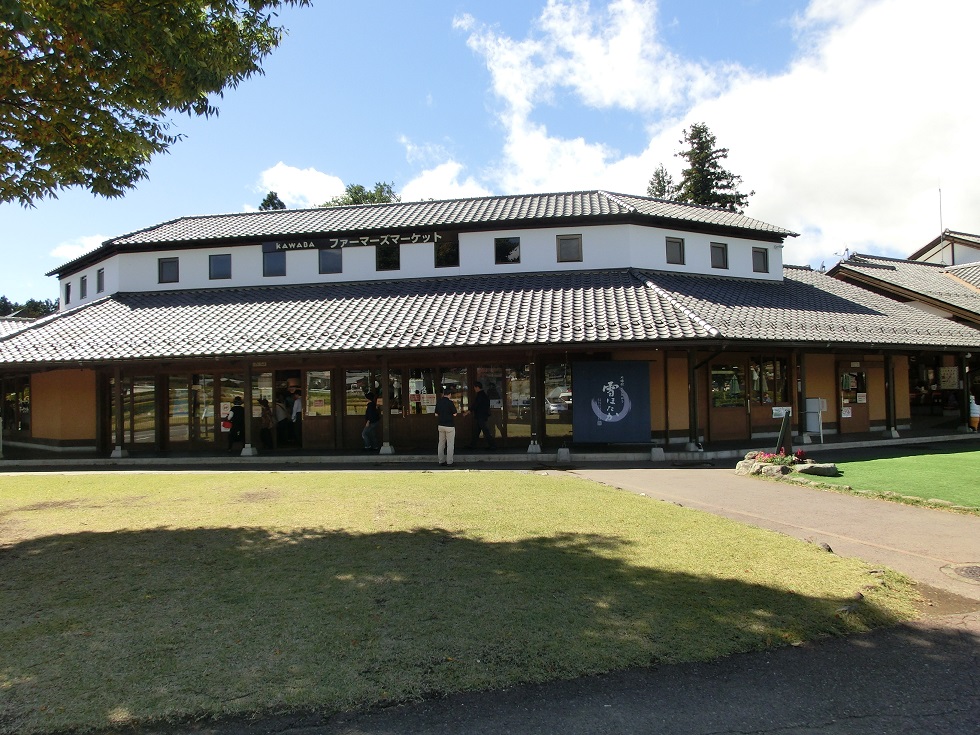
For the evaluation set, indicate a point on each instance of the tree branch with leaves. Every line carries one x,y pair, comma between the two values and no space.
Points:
87,88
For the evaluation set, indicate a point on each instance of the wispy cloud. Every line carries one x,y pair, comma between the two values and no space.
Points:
848,147
71,249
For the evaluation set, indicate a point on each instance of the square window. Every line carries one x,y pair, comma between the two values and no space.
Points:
760,260
719,255
274,263
675,251
447,254
168,270
67,294
331,261
569,248
100,280
83,287
507,250
388,257
219,266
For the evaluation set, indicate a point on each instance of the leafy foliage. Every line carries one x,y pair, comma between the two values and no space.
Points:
31,308
704,181
271,201
382,193
662,184
88,85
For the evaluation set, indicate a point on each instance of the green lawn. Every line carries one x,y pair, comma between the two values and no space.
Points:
952,476
134,598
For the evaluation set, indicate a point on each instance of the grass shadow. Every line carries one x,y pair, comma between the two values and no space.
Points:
107,629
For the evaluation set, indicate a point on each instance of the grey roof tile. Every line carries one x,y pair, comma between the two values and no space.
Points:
475,213
956,286
544,309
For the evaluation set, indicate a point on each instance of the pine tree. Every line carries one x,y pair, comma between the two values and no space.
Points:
662,184
271,201
704,181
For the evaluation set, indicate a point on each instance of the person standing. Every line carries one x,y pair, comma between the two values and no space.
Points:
266,422
481,417
297,416
446,413
236,435
372,417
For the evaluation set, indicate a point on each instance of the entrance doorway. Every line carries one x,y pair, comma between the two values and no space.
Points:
854,417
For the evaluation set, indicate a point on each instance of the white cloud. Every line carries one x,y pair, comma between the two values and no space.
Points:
299,187
848,147
71,249
442,182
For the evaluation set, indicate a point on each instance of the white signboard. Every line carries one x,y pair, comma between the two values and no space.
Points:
949,378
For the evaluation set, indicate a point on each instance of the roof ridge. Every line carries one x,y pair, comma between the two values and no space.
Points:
643,277
616,198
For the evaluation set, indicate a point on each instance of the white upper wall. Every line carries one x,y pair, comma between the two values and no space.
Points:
606,246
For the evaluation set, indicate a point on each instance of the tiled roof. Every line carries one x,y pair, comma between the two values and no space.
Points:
604,308
480,212
949,285
11,324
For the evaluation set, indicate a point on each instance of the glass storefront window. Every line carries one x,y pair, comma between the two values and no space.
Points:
16,405
178,418
423,390
202,405
318,394
455,379
558,400
768,380
359,383
395,402
727,385
517,401
854,387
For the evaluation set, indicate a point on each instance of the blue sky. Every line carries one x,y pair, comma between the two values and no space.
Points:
846,117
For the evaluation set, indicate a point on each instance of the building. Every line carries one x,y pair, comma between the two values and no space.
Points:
591,318
941,279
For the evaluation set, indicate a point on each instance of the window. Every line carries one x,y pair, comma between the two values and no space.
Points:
387,257
675,251
67,294
168,270
83,287
447,254
719,255
331,261
100,280
507,250
219,267
274,263
769,380
760,260
728,386
569,248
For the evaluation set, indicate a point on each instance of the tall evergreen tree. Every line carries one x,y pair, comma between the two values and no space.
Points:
704,181
271,201
661,184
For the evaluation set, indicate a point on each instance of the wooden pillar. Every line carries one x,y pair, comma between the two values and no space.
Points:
386,447
891,429
965,393
249,450
692,402
799,360
533,378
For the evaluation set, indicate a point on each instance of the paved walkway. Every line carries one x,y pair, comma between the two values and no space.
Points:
927,545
